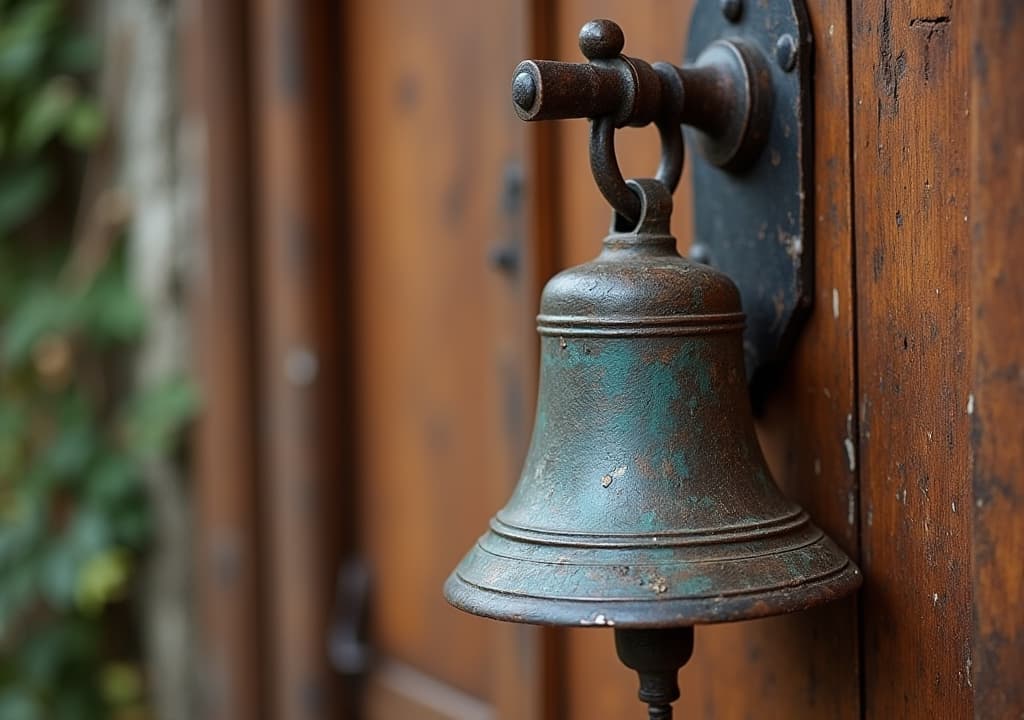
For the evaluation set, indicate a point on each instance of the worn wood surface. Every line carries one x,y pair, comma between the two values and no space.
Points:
996,402
301,428
225,476
804,666
444,340
910,112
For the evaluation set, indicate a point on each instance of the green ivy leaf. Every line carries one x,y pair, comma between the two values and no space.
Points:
84,125
23,190
111,309
25,38
101,579
58,644
48,111
76,52
40,312
17,703
68,553
157,415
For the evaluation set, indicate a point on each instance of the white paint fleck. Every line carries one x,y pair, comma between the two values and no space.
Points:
616,473
953,504
970,404
980,502
851,455
598,619
965,218
817,466
832,30
851,509
929,434
871,517
935,598
835,303
968,673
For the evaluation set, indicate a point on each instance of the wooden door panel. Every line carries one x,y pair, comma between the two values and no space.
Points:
911,177
443,388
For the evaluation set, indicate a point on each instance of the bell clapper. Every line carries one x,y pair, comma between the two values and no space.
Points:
656,654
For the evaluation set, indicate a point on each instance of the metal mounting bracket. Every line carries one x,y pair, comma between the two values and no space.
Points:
756,223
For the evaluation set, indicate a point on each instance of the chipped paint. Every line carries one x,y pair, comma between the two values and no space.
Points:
835,303
970,404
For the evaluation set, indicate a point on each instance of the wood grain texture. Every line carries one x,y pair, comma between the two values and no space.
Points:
225,472
298,326
445,344
910,113
806,665
997,350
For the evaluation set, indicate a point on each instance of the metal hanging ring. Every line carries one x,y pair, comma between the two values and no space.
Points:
608,176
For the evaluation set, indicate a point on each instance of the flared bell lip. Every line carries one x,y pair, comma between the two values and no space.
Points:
798,593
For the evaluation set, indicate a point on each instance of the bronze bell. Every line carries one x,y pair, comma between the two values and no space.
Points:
645,501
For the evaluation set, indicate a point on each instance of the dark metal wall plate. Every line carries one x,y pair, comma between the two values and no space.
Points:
756,224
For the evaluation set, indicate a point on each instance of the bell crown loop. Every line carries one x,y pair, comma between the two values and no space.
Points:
620,194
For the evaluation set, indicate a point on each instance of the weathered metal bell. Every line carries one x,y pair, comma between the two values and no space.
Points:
645,500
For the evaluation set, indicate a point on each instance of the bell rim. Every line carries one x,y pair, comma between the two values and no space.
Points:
653,613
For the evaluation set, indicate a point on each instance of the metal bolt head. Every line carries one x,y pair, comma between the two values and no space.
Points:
786,51
732,9
601,40
524,90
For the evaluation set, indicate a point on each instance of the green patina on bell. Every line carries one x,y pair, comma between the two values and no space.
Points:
645,501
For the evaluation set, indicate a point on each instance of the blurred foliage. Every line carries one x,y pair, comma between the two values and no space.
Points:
75,432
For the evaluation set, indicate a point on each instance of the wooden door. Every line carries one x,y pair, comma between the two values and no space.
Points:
896,424
442,342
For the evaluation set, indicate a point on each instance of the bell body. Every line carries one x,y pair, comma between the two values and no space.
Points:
645,500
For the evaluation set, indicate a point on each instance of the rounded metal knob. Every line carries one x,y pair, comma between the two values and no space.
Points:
601,40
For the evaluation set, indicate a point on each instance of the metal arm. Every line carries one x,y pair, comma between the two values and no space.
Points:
727,94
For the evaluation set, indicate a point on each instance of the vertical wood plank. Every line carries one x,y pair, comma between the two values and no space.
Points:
913,334
225,471
997,350
298,391
445,343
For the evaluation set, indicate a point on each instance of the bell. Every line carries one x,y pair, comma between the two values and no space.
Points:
645,501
